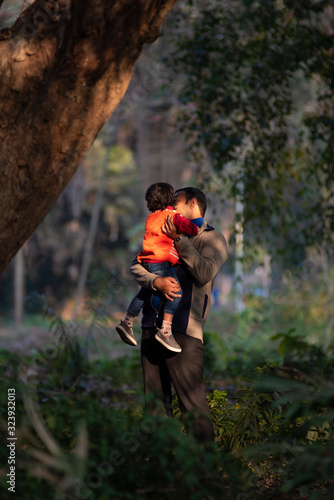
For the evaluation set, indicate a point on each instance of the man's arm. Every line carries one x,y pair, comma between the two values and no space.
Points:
205,265
168,286
143,277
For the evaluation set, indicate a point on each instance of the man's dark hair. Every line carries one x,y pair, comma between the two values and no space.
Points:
159,196
191,193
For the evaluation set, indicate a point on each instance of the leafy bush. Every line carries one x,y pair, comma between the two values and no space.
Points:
302,451
83,433
86,451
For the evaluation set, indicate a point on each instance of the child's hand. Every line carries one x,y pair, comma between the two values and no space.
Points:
169,228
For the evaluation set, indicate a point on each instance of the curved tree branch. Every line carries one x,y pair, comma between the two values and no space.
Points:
64,67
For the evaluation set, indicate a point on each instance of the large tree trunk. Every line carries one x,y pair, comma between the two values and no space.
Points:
64,67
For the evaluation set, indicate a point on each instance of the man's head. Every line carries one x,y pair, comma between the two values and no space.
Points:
159,196
191,202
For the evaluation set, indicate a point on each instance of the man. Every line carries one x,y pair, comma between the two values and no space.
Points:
201,257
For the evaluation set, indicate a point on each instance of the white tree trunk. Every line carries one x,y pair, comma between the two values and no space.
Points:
239,248
19,279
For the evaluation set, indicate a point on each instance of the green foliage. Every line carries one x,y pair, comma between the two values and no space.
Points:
63,352
257,96
277,426
304,458
282,425
246,419
210,354
84,433
125,453
292,343
293,324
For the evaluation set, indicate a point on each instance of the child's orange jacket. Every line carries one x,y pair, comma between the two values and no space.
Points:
157,246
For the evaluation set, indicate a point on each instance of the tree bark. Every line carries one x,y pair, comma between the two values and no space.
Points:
64,67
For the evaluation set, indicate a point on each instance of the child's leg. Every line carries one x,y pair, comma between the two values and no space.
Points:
129,319
136,306
165,269
171,305
169,311
124,329
138,302
164,334
166,326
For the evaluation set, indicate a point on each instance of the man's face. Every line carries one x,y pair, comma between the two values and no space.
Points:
182,207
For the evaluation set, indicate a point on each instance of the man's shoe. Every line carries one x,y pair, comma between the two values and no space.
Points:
168,341
126,333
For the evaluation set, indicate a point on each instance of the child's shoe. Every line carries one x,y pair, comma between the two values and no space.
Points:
168,341
126,333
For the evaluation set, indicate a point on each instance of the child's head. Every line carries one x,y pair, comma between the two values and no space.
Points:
159,196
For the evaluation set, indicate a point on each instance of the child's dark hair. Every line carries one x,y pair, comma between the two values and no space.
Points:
159,196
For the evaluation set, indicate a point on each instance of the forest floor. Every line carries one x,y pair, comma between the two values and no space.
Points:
30,339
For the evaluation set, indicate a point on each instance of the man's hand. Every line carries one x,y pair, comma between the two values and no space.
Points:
168,286
169,228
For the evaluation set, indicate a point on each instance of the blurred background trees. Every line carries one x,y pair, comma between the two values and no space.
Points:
257,107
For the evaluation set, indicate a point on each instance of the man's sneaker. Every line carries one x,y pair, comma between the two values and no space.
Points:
168,341
126,333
